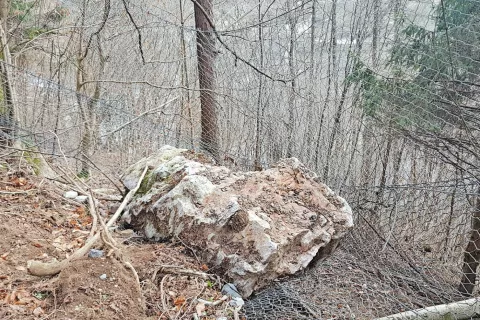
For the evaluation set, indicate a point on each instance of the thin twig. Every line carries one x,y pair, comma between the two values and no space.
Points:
17,192
139,116
233,52
136,28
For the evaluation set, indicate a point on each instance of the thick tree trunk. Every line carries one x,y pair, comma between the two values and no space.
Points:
471,257
206,76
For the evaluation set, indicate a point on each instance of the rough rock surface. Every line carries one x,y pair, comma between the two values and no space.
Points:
252,227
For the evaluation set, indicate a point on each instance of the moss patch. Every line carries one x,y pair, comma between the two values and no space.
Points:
33,159
146,183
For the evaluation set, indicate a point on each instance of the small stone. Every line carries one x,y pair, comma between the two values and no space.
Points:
94,253
222,318
103,277
229,289
81,199
70,194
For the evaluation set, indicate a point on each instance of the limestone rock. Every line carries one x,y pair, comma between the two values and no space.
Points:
253,226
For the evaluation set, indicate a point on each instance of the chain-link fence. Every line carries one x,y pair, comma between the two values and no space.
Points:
379,97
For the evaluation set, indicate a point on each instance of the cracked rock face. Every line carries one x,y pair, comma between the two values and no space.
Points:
252,226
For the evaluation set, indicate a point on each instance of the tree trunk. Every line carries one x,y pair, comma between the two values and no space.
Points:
259,124
185,100
471,257
375,33
9,112
206,76
311,76
291,97
332,67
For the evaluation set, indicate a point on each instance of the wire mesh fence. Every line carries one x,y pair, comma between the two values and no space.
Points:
379,97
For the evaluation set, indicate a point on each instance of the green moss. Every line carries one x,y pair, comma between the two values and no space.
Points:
34,32
146,183
33,159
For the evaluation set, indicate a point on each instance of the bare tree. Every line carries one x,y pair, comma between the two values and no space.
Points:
292,22
9,110
205,62
185,100
260,108
83,66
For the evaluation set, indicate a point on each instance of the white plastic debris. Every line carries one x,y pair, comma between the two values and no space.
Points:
236,302
70,194
103,277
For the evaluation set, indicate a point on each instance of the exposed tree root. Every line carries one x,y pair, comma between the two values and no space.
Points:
39,268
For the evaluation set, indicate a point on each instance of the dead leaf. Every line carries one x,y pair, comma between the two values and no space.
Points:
36,244
179,301
200,308
4,256
68,299
3,277
18,181
204,267
80,210
38,311
18,297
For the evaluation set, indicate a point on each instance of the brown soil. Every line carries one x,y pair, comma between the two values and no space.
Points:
82,294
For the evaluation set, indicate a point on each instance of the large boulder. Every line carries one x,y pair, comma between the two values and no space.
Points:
252,227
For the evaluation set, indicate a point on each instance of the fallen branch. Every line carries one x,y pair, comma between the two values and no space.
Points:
213,303
163,297
179,271
38,268
461,310
17,192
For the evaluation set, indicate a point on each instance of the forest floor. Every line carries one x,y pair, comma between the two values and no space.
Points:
39,223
